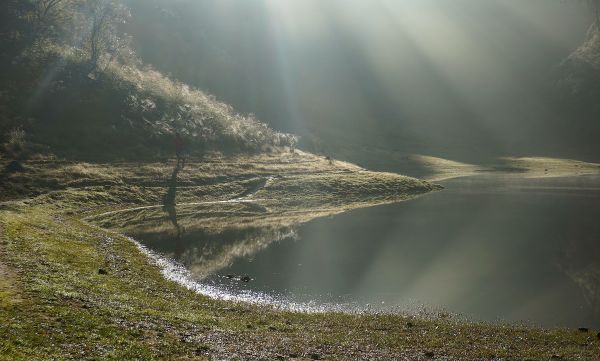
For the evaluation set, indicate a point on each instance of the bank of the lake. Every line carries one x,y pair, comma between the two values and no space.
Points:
72,290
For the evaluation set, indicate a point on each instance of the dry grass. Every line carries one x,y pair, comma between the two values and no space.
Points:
540,167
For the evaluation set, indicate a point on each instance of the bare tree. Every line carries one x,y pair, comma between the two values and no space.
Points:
45,9
103,34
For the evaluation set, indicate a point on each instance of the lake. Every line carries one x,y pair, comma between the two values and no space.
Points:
491,248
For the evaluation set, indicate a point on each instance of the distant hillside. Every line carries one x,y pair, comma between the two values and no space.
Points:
581,70
589,51
578,85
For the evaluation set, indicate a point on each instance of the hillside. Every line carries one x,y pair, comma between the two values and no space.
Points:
124,111
93,98
581,70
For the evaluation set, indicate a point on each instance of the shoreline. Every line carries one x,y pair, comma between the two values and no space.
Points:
79,291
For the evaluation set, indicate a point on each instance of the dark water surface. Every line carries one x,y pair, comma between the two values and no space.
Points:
487,248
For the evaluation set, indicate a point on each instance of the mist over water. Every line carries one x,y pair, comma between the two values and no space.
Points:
462,79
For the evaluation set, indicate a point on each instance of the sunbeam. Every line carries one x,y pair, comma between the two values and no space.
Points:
299,179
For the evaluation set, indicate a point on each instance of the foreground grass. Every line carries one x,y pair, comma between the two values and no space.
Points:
71,290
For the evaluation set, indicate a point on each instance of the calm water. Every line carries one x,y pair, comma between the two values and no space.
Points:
487,248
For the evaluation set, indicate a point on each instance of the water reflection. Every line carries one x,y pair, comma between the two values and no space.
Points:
486,247
205,251
169,200
579,260
207,238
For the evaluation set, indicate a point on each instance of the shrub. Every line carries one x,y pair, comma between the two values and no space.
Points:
15,141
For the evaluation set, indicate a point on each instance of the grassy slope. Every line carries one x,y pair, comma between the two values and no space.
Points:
56,305
49,98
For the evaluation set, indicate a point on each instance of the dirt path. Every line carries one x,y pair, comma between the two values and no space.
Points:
241,198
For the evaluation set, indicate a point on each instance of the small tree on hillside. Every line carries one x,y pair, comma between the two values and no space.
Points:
103,37
46,15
